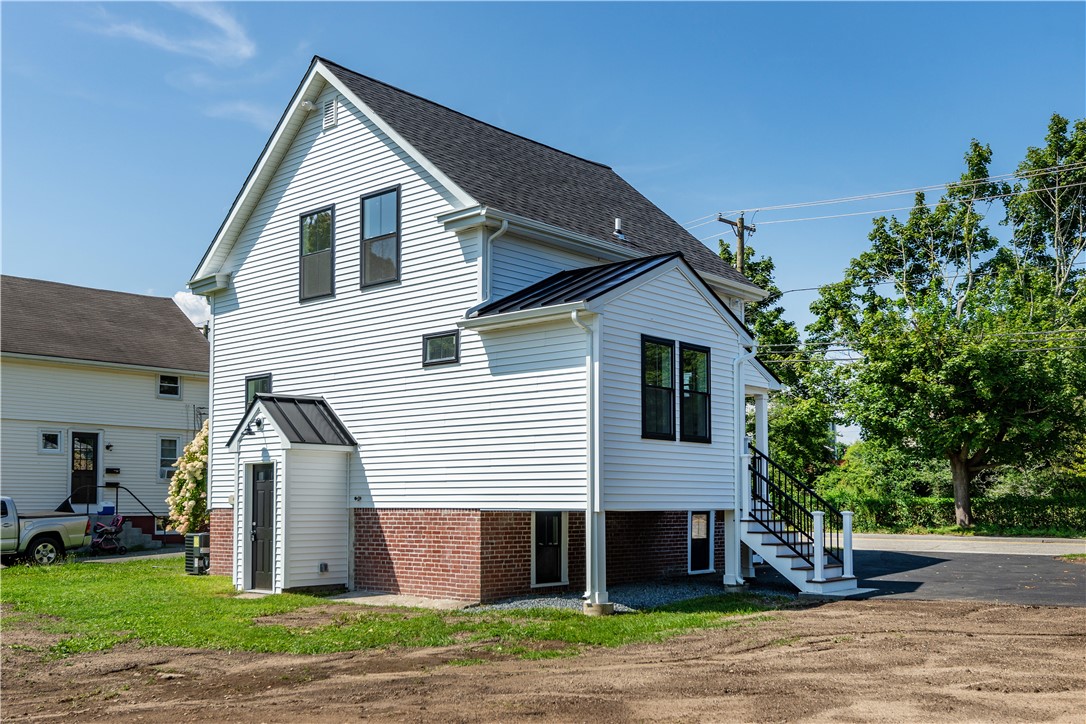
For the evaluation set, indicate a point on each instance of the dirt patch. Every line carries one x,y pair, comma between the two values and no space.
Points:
884,660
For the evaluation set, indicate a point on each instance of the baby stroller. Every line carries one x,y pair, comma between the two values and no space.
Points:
107,538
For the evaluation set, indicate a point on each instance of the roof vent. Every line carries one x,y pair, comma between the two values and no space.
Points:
331,106
617,233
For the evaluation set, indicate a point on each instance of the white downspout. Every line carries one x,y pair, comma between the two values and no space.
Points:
735,540
486,260
595,530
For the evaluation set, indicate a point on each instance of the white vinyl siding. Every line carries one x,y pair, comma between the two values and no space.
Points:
119,404
644,474
317,518
516,264
504,428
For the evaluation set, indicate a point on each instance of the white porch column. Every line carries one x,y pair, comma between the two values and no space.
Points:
761,422
595,523
732,545
819,547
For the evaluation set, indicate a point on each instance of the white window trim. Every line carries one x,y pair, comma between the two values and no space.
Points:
59,432
180,388
712,542
564,553
158,451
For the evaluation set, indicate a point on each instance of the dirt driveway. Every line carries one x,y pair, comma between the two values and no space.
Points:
888,660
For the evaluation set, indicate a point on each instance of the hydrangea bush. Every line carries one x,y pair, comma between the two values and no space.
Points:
187,499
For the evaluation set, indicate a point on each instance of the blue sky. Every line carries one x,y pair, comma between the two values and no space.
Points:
128,128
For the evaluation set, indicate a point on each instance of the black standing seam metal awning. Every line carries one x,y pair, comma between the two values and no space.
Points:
300,419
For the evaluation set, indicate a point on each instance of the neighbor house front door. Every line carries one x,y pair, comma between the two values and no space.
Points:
262,524
84,467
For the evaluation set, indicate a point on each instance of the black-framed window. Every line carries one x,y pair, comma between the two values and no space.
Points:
381,237
257,384
317,237
441,348
657,388
694,404
169,386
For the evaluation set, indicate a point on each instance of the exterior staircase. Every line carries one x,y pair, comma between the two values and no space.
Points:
796,531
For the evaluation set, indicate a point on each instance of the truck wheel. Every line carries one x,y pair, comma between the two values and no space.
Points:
45,550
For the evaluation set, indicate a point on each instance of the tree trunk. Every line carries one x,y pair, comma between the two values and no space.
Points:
959,473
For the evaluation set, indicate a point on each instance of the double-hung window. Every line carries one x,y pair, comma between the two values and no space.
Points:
169,449
657,388
381,237
169,386
694,403
317,254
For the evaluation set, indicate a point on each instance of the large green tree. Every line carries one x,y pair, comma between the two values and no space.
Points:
965,343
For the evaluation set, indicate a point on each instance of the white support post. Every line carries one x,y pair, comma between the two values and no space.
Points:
746,561
596,557
846,542
732,545
819,547
744,512
761,423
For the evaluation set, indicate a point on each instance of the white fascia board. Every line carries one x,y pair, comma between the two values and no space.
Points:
460,195
317,447
206,286
746,292
464,219
103,365
521,317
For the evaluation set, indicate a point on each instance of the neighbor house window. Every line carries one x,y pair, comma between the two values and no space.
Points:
317,246
257,385
442,348
381,237
657,388
169,449
169,386
50,442
694,404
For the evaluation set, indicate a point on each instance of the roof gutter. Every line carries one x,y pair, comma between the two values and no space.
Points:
519,317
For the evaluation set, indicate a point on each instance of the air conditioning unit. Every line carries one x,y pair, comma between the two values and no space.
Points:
197,553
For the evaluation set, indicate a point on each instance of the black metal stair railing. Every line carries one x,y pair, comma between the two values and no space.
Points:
785,506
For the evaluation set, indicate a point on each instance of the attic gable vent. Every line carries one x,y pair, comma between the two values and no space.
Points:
331,108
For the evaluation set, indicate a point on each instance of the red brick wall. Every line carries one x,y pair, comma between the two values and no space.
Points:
506,558
642,546
222,542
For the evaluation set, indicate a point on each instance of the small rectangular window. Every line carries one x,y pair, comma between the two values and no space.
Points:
657,388
257,385
694,405
50,442
169,449
381,237
441,348
169,386
317,250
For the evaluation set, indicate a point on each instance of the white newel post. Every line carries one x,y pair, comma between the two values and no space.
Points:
745,492
819,547
846,542
761,423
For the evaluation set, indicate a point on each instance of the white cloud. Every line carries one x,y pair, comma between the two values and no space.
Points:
222,40
195,307
254,113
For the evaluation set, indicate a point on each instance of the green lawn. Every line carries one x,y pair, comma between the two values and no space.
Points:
152,602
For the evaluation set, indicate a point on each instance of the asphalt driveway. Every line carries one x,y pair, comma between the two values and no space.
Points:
1023,571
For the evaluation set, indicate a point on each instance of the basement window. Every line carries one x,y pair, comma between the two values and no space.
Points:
441,348
317,240
381,237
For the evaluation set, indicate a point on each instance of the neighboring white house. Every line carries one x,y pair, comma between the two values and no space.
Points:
99,393
451,361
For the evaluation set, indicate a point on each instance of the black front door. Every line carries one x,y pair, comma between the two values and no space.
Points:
700,539
548,547
263,520
84,467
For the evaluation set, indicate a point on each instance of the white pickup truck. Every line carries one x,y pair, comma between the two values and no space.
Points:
42,537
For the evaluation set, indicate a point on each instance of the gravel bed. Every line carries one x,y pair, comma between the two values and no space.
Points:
628,597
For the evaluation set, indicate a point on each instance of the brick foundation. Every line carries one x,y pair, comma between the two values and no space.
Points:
222,542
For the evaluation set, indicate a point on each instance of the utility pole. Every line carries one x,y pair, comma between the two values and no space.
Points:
740,229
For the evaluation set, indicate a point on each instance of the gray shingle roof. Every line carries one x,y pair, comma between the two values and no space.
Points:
60,320
300,419
517,175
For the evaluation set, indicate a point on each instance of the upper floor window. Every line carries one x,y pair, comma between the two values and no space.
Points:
257,384
169,386
381,237
657,388
694,404
317,249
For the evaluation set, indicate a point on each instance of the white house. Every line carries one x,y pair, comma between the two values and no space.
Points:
451,361
99,393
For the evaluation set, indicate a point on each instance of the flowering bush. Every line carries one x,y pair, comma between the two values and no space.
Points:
187,500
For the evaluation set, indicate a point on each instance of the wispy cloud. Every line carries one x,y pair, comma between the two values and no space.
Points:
260,116
195,308
218,39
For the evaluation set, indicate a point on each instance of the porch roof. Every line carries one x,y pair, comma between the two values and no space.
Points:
299,419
